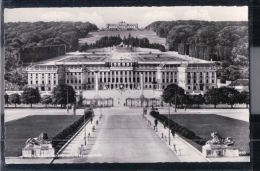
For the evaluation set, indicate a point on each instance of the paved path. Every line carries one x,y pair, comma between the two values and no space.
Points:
124,137
185,151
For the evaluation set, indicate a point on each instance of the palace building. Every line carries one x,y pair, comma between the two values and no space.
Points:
122,26
125,68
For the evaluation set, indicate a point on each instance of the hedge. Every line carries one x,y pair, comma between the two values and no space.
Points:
175,127
63,136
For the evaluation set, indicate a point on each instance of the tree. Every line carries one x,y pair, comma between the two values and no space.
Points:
243,98
15,99
212,96
187,100
198,99
230,73
30,96
46,100
229,95
63,94
6,99
80,99
173,94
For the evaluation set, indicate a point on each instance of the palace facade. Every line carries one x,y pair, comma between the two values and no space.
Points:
122,26
121,68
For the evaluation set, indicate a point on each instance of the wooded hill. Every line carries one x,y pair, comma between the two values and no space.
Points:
225,41
26,34
43,36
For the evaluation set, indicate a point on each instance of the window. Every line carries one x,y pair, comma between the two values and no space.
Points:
31,82
194,88
189,87
71,80
213,81
67,81
54,82
188,81
36,82
80,81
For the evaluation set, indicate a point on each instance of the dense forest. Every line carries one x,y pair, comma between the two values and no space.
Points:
109,41
26,34
226,41
22,35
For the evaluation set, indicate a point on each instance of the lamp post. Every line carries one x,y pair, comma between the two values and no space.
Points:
85,134
67,99
175,99
169,123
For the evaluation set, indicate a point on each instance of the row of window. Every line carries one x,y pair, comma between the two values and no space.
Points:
201,87
200,73
200,81
43,82
120,64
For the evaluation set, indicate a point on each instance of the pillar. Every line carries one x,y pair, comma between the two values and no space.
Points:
182,76
142,83
96,82
159,77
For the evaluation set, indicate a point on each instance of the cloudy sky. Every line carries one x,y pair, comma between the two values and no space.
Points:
140,15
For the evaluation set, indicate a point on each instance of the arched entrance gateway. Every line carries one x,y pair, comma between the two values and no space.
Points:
122,73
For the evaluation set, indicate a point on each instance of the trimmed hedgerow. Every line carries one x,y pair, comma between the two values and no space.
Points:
62,137
175,127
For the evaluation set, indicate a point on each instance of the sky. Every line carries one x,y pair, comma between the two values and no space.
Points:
140,15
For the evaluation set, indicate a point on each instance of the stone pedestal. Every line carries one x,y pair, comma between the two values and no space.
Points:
210,150
38,147
38,151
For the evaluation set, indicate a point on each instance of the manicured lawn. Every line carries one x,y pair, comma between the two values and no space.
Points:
204,124
18,131
94,36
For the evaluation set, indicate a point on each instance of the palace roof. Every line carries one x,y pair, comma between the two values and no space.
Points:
122,54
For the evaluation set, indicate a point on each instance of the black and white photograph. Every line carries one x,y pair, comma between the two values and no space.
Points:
126,84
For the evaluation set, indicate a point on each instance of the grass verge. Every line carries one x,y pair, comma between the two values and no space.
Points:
204,124
18,131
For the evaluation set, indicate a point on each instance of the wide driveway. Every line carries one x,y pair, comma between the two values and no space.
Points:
124,137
